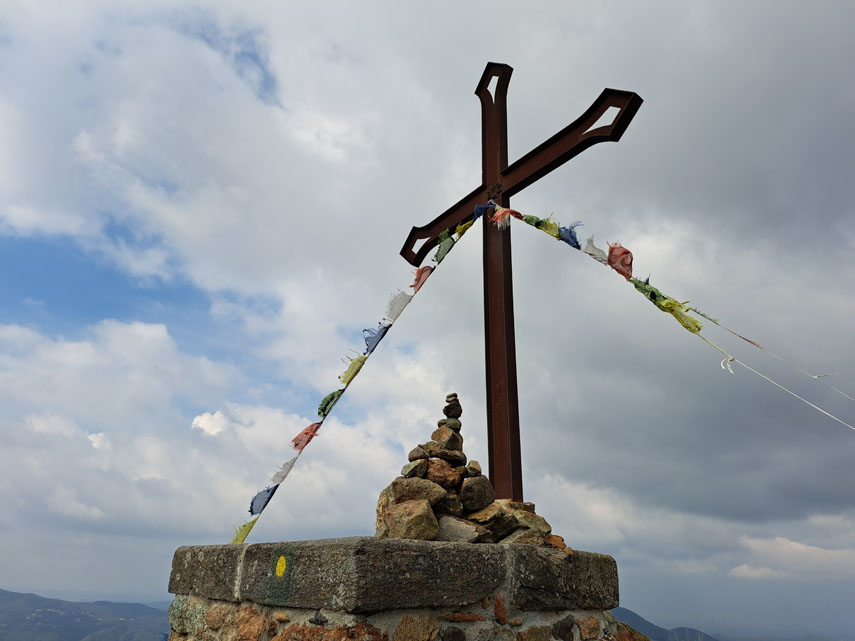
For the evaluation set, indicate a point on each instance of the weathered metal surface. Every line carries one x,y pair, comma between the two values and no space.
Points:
499,182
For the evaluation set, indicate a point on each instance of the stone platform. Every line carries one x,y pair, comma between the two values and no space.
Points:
397,590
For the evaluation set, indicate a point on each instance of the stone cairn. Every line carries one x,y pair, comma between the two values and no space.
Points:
441,497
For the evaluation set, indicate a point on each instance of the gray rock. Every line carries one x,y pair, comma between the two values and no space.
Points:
435,450
415,468
416,453
451,504
451,397
366,574
453,529
218,580
548,579
563,629
447,438
318,618
525,537
383,502
473,468
452,423
496,633
499,521
441,472
476,493
415,488
453,634
411,520
453,410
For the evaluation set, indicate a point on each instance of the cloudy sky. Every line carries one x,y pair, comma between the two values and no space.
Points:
201,207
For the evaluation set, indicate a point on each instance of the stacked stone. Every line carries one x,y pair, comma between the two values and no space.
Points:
441,497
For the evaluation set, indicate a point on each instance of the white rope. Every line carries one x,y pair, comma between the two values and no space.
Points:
725,364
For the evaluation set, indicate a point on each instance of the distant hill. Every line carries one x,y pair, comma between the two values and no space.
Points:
655,632
691,634
29,617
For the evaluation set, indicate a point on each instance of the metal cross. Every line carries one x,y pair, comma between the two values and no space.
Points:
499,182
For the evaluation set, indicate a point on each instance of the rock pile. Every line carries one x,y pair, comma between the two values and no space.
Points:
441,497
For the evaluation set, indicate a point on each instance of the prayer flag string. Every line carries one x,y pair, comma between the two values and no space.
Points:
618,258
373,336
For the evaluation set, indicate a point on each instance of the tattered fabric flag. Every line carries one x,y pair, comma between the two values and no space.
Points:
305,437
397,303
352,370
480,210
667,304
595,252
620,260
544,224
422,274
328,402
446,242
373,336
462,228
568,235
283,472
243,530
678,310
502,217
260,500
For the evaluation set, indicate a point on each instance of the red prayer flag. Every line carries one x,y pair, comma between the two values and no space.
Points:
422,274
501,218
305,437
620,260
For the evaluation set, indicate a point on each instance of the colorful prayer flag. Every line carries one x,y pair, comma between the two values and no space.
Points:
620,260
374,336
305,437
260,500
422,274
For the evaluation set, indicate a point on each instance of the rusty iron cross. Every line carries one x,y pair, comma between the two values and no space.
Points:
498,183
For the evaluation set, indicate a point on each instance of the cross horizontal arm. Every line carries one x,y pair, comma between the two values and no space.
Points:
552,153
572,140
461,211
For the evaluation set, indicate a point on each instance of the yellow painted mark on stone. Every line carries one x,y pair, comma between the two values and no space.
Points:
281,565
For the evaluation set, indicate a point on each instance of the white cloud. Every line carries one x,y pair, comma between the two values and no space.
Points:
746,571
783,556
211,424
284,189
52,425
64,503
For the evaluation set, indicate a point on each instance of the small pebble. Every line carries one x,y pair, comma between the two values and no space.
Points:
318,618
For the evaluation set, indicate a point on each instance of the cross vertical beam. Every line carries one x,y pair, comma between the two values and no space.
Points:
503,417
499,182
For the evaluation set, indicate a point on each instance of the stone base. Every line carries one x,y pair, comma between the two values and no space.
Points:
364,588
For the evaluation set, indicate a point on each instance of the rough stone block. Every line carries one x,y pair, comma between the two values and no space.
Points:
442,473
454,529
447,438
499,521
476,493
549,579
411,520
416,488
218,579
366,574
